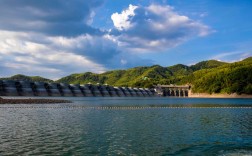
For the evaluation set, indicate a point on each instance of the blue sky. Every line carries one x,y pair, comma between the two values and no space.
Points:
57,38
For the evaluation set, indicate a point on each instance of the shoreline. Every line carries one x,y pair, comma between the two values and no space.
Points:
32,101
206,95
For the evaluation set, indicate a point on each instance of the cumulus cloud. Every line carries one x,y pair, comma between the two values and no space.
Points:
96,48
57,56
122,21
154,28
57,17
100,49
56,38
23,56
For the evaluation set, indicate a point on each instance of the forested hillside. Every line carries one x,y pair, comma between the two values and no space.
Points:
20,77
205,77
143,76
229,78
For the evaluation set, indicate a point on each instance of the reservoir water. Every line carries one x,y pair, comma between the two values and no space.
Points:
128,126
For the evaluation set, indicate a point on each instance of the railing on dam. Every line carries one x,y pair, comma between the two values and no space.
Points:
172,90
28,88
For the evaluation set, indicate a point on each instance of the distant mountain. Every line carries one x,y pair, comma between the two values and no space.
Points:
132,77
207,65
141,76
20,77
205,77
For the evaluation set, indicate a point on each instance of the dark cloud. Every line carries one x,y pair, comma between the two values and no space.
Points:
57,56
52,17
100,50
97,49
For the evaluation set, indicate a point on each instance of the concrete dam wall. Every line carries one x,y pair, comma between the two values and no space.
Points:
27,88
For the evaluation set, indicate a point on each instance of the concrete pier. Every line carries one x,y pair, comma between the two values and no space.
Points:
132,92
26,88
96,91
75,88
126,91
65,90
119,91
86,90
138,92
10,88
1,88
142,90
40,89
148,91
104,91
112,91
53,89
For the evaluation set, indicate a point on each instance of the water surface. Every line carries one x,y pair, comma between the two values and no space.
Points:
128,126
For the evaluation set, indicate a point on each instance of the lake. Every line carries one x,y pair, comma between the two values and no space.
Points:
128,126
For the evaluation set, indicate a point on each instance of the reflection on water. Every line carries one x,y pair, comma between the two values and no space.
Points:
79,130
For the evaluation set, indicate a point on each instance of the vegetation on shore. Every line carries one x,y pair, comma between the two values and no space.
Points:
206,77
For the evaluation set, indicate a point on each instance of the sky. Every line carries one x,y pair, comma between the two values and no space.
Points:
56,38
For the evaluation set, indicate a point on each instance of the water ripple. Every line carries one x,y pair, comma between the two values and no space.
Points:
83,129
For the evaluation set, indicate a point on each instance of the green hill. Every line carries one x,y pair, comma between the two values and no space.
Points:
140,76
248,59
136,77
20,77
207,65
205,77
228,78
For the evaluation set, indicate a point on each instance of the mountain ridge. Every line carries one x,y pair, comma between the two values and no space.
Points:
21,77
210,76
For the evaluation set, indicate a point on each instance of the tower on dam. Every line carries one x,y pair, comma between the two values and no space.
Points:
173,90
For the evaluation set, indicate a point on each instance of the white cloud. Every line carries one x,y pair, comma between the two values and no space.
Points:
56,56
55,41
154,28
23,56
122,21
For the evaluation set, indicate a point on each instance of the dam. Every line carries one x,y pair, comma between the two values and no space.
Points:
43,89
172,90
